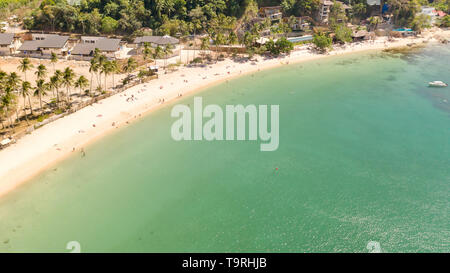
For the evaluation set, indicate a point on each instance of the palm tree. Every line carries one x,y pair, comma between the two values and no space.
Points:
219,40
24,66
157,53
93,69
205,44
40,91
25,92
13,81
106,69
54,60
131,65
56,82
101,61
12,84
232,39
147,51
114,69
41,72
81,83
167,51
141,75
6,102
67,80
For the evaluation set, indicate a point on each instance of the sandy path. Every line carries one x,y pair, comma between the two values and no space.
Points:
53,142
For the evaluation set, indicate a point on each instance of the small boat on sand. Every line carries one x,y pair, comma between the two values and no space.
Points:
437,84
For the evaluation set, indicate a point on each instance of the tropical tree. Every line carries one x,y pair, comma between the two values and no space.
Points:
25,93
204,44
54,60
157,52
343,33
55,83
81,83
219,39
167,51
40,91
420,22
67,80
13,81
41,72
93,69
114,70
141,75
101,59
322,41
147,51
106,69
6,103
24,66
374,21
130,66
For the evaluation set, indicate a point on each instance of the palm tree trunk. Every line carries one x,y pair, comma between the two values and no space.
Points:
40,102
90,84
31,106
57,95
25,109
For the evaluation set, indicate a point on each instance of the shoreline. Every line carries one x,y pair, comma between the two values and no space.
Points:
57,140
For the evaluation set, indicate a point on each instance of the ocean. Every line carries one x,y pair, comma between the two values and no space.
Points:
363,158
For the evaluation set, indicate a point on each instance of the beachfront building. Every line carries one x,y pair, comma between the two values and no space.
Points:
8,44
299,24
84,50
43,45
433,13
325,8
155,41
274,13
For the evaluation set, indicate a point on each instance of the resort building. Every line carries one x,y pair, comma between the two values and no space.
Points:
324,10
8,43
273,13
43,45
325,7
85,49
300,23
433,13
155,41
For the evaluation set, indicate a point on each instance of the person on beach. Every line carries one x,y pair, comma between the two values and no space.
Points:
83,154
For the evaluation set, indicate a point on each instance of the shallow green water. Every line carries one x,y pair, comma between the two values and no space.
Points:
364,156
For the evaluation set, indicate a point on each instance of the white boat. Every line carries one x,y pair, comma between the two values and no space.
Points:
437,84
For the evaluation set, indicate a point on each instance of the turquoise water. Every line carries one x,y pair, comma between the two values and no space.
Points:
364,156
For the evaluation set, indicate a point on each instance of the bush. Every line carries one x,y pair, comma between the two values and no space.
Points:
343,33
322,41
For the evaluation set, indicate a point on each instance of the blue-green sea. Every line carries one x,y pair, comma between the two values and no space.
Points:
364,155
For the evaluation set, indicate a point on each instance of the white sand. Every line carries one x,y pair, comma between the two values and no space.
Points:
51,143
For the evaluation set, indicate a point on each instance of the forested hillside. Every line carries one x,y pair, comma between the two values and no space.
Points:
180,16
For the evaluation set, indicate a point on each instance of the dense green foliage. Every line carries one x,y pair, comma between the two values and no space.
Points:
322,41
17,3
127,16
189,16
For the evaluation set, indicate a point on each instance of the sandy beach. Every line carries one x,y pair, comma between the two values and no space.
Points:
55,141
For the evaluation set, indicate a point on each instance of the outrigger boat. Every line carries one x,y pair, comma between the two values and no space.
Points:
437,84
